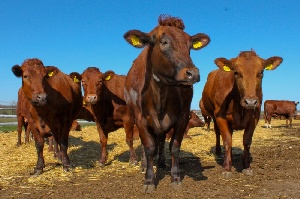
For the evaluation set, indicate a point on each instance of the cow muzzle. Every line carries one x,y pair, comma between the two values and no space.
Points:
92,99
250,103
188,76
39,99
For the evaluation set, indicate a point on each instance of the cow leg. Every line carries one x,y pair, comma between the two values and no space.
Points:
161,162
20,124
226,134
149,150
64,151
175,150
39,145
247,140
128,126
103,142
27,132
218,144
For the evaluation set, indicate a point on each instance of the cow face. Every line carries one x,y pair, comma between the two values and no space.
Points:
170,46
248,71
32,72
92,83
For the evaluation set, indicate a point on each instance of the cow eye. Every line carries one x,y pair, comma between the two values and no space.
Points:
260,75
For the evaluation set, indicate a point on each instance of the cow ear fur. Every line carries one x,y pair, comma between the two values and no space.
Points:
272,63
17,71
224,64
137,38
75,76
199,41
51,71
108,75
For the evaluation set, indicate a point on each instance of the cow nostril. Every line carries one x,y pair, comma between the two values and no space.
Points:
251,101
189,74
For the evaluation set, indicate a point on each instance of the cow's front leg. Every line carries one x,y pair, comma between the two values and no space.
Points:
103,146
149,150
226,134
39,145
64,153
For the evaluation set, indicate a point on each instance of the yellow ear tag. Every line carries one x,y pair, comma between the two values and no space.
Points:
84,103
108,77
226,68
197,44
135,40
269,67
75,79
50,74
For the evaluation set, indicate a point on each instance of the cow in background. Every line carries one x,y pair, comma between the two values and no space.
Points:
232,95
104,94
205,115
194,121
23,107
55,102
159,90
280,108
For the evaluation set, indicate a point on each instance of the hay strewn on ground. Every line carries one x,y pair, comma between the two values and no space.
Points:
17,162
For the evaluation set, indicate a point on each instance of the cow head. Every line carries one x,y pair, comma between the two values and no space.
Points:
76,77
170,46
32,72
248,71
92,83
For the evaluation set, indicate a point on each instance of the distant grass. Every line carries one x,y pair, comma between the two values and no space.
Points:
8,128
7,119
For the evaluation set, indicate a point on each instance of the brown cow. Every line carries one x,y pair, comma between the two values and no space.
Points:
55,102
280,108
232,95
104,93
22,116
194,121
159,90
205,115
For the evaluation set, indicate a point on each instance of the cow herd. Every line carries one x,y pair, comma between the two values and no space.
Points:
154,98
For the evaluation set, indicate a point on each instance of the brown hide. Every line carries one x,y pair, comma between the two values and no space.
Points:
279,108
104,93
56,101
86,113
205,115
194,121
23,114
159,89
232,95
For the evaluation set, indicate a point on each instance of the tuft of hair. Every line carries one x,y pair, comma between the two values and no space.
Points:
248,54
167,20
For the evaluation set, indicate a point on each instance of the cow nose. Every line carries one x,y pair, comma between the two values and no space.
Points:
91,98
193,75
40,99
251,103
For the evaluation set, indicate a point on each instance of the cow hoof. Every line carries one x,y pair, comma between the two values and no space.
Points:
148,188
101,164
227,174
248,172
133,162
36,172
176,185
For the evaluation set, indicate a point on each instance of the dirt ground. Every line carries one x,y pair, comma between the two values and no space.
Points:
275,162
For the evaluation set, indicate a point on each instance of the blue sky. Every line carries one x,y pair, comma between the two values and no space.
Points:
74,35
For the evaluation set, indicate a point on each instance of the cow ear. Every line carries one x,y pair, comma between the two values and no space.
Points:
51,71
108,75
199,41
76,77
272,63
224,64
17,71
137,38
